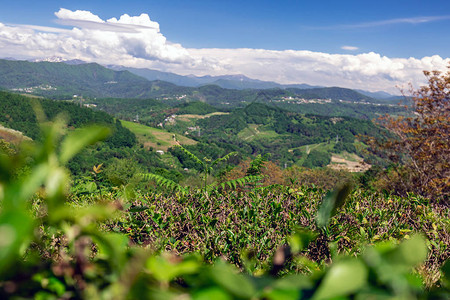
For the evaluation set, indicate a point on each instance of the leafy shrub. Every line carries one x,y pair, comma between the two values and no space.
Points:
122,171
322,178
226,224
53,249
421,148
317,158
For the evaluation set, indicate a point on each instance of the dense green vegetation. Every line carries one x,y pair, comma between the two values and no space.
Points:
221,218
90,80
195,108
317,158
340,109
254,129
78,247
121,145
149,111
20,115
260,129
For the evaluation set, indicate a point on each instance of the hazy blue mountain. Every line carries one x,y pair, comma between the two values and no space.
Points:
238,81
75,62
377,95
9,58
152,75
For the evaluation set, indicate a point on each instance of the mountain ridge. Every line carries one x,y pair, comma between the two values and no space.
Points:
62,80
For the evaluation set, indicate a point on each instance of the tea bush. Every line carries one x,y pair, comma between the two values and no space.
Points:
228,223
52,248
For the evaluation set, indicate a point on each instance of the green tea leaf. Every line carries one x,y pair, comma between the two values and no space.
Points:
164,270
81,138
410,252
16,228
331,203
225,276
301,239
343,279
215,293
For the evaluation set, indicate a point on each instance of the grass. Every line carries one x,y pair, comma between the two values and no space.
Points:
255,131
159,139
326,147
32,96
343,160
11,135
307,148
192,117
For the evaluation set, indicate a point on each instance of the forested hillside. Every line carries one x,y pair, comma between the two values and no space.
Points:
20,115
261,129
121,151
61,80
64,80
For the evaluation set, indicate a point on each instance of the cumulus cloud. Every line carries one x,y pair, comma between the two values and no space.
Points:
93,39
349,48
82,15
369,71
136,41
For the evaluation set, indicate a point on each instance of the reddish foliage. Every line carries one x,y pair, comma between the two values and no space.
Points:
422,144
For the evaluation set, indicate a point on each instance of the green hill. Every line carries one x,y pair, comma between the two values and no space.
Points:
333,93
19,115
64,80
259,129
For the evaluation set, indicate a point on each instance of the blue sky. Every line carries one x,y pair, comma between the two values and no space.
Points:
341,37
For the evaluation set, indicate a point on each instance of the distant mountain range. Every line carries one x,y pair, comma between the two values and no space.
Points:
74,77
238,82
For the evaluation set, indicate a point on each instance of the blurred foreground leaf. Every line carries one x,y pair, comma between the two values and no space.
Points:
344,277
330,204
79,139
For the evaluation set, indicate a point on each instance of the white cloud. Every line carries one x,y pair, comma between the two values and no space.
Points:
369,71
142,20
412,20
126,38
81,15
137,41
349,48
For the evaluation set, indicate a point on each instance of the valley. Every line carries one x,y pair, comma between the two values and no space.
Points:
202,180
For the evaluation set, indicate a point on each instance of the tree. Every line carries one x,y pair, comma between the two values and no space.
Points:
317,159
421,146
